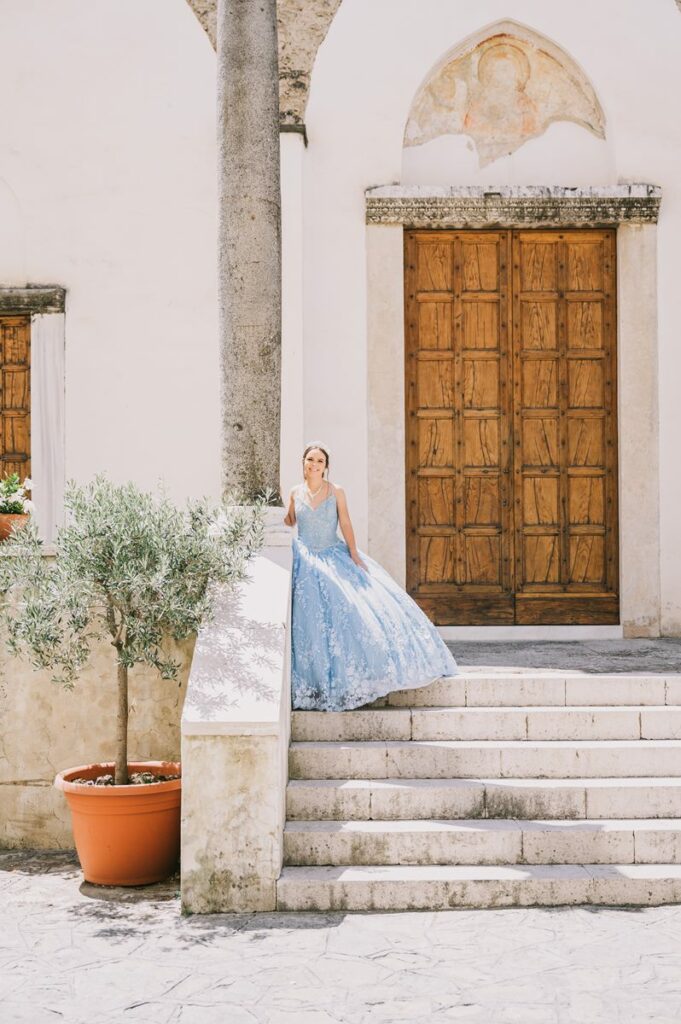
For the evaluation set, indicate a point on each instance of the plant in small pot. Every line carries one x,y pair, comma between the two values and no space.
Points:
133,569
15,507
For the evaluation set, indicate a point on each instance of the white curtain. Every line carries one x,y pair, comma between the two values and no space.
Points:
47,420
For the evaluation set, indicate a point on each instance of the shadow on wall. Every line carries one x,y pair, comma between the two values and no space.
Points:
236,661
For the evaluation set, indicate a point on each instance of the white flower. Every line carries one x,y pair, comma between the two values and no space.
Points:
27,484
28,505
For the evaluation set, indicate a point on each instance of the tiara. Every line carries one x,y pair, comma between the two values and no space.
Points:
318,444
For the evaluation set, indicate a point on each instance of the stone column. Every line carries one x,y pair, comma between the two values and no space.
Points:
249,254
639,442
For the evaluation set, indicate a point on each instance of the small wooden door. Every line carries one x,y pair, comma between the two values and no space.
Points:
511,426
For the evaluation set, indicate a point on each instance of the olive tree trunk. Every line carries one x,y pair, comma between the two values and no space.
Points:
249,256
121,768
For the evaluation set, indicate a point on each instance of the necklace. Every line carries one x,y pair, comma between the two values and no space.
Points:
313,494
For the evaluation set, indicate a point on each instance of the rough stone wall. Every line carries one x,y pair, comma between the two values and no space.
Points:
303,24
45,729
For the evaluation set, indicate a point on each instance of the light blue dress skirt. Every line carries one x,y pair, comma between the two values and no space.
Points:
356,634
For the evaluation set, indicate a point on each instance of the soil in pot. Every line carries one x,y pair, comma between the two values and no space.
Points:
125,835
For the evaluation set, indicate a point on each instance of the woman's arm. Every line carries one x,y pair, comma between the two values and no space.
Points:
290,518
346,526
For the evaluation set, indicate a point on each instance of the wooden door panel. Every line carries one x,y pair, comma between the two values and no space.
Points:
538,325
437,559
586,441
585,384
436,441
479,264
481,443
540,501
435,384
587,559
539,384
434,266
481,310
482,558
480,327
481,501
538,264
573,608
564,411
435,324
585,264
459,544
15,395
539,441
481,384
511,430
586,501
541,558
435,501
585,324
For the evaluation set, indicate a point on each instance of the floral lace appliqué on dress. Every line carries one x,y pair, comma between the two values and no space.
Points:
356,635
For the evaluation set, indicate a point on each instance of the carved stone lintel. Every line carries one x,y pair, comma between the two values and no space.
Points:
508,206
33,299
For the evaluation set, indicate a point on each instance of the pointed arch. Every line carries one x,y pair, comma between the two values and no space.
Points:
302,30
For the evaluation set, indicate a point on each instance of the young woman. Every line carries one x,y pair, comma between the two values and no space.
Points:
356,635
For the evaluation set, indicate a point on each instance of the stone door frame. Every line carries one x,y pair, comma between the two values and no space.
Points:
634,210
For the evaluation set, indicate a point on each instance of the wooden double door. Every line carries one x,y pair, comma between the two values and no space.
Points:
511,426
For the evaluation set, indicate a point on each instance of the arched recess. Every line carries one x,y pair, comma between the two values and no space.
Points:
303,25
502,86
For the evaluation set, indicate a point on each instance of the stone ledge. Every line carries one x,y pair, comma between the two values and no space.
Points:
238,681
508,206
235,737
33,299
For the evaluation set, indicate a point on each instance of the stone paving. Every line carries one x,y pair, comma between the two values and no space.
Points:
77,953
591,656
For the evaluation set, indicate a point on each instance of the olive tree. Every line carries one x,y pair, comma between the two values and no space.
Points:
129,566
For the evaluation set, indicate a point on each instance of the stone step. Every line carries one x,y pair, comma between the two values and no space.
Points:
447,887
483,841
490,723
525,688
458,759
570,799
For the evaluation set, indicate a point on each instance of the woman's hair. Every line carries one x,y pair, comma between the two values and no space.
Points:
322,448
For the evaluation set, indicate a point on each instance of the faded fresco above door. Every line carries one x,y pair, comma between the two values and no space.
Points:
502,90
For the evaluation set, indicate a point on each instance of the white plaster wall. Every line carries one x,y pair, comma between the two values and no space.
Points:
368,69
107,187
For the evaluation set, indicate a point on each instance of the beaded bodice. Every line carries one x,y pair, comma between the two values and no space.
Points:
317,527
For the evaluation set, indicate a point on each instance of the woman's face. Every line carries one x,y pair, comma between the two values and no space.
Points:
314,464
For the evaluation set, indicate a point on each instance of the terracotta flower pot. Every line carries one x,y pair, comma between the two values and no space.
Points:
125,835
11,521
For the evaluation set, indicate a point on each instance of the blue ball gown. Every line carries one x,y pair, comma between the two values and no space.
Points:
356,635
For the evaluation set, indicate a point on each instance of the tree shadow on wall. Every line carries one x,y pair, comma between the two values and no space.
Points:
235,661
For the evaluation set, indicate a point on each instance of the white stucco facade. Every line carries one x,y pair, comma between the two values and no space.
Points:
107,168
107,188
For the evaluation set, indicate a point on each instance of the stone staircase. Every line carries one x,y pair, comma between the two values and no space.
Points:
489,789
